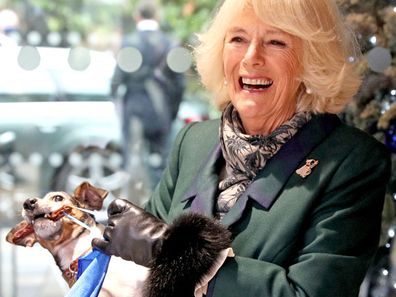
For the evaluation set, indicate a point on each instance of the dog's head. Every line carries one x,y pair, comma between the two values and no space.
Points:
43,217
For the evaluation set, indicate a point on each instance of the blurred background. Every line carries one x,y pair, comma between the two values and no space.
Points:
60,121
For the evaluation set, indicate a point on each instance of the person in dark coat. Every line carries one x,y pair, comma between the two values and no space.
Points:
153,91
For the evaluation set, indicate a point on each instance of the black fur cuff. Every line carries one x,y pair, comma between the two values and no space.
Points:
190,250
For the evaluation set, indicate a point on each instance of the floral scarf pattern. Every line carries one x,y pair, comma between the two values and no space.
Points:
246,154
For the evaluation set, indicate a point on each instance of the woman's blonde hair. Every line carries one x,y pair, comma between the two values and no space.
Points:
330,51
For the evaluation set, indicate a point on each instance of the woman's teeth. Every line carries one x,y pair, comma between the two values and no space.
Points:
252,83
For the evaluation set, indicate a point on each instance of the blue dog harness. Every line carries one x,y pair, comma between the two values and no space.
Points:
92,269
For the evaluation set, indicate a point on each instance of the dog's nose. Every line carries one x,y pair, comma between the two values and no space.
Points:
30,203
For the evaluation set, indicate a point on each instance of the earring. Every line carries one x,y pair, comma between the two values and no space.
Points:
308,90
225,82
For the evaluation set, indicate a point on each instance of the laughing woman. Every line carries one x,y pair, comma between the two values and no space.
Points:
295,192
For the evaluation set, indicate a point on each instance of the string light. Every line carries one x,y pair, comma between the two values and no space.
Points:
373,40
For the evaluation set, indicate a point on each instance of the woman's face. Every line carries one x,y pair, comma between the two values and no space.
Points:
261,66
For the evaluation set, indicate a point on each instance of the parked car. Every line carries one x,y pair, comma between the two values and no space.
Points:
59,119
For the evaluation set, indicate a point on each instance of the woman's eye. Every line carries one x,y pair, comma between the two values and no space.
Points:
57,198
236,39
277,43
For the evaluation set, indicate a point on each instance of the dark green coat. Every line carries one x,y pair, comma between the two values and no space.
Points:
293,236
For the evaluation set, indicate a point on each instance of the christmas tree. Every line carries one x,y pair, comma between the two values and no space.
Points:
374,106
373,110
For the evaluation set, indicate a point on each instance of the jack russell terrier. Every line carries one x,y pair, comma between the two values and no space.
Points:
64,225
195,248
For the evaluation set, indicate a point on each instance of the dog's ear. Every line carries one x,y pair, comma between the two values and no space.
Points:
22,234
89,196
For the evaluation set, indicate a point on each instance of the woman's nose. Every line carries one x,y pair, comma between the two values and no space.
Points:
254,55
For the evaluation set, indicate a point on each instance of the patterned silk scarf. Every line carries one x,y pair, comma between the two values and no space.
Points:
246,154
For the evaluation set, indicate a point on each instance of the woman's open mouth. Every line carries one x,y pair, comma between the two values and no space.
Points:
252,84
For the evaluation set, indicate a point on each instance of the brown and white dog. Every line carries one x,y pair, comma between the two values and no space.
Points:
48,221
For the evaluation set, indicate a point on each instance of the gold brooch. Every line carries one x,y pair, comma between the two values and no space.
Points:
306,169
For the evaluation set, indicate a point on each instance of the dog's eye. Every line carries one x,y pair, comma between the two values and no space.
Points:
57,198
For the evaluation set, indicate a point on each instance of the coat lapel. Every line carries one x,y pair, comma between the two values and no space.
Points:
202,192
269,182
278,169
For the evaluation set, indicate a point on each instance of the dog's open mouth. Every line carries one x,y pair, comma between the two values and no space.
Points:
41,215
54,215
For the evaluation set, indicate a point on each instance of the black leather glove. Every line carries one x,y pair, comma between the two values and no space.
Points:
178,255
132,233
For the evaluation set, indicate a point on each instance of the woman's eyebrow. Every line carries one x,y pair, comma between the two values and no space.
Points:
236,30
275,32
